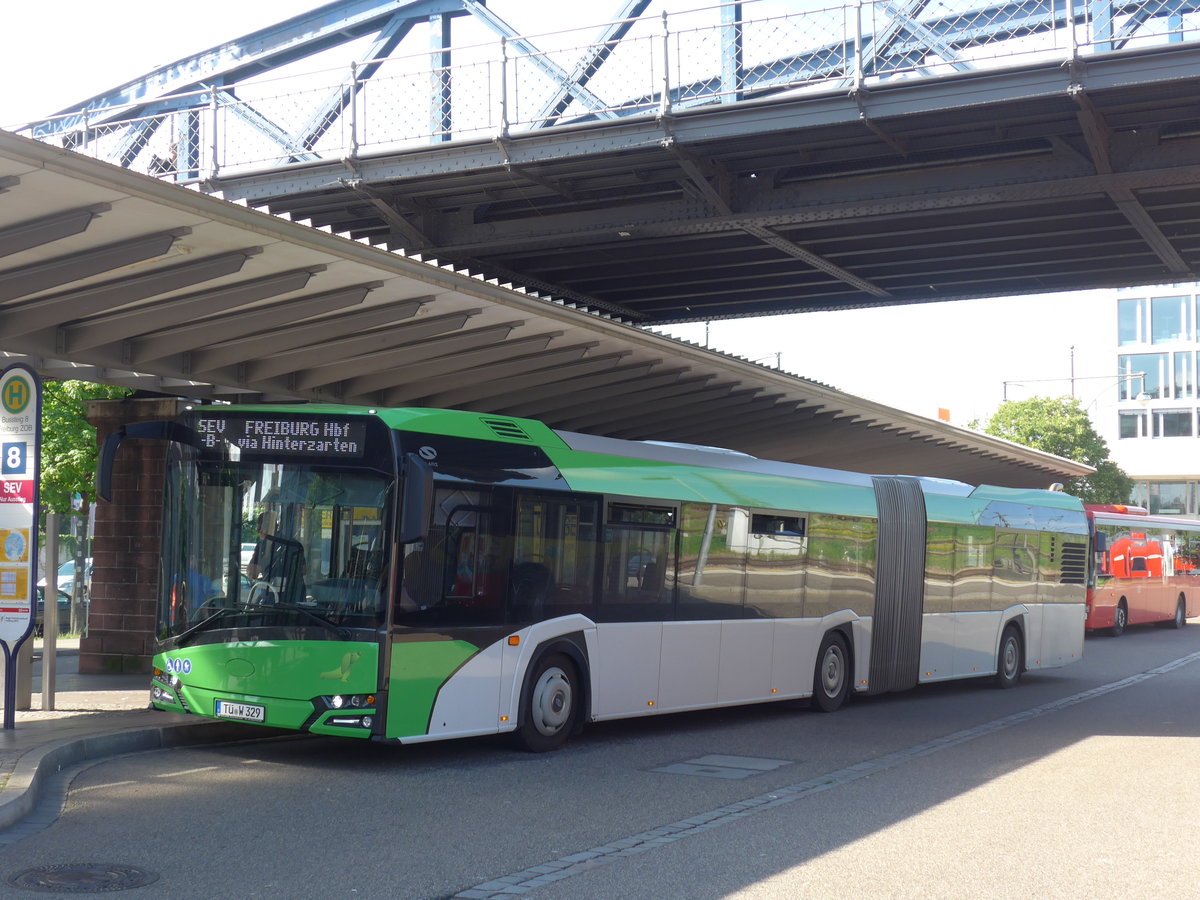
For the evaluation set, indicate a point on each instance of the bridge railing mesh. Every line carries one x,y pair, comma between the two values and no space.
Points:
659,65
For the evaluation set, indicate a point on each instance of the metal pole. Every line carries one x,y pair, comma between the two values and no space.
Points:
1072,40
664,102
353,110
50,613
504,86
214,149
731,52
858,41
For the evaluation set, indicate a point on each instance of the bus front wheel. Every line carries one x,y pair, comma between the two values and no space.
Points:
1180,613
831,679
1120,619
549,705
1009,661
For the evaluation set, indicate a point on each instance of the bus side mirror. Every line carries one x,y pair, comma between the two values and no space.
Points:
104,464
417,508
1101,542
155,431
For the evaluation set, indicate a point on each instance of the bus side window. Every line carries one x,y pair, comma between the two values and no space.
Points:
639,563
712,561
555,556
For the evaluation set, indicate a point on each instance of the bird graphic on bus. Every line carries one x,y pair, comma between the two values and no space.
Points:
342,672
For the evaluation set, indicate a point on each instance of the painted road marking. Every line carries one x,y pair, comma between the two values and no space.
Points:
715,765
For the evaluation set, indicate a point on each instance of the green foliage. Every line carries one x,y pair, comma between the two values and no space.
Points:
69,442
1059,425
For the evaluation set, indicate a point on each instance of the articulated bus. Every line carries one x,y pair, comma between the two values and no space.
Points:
1147,569
426,574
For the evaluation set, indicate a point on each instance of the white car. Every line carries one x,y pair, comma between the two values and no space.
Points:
247,552
66,578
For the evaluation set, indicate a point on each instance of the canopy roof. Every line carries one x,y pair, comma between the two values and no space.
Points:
112,276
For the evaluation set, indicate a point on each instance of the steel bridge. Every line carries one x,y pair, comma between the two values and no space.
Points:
741,159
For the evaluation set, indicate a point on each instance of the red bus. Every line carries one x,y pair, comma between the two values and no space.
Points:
1147,569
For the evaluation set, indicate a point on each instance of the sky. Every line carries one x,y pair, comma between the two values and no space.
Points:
919,358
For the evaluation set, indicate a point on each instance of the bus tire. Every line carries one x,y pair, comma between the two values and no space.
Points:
1010,660
549,704
831,677
1120,619
1180,613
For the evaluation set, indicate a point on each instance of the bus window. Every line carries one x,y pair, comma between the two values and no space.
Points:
841,565
712,561
775,551
973,561
639,563
554,558
459,573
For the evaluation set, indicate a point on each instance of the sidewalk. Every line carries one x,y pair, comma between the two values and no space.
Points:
94,716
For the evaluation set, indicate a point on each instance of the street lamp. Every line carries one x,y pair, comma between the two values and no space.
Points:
778,359
1143,397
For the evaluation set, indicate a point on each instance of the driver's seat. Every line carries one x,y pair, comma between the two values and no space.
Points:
527,589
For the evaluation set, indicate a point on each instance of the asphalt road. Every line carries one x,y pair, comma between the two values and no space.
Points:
1082,782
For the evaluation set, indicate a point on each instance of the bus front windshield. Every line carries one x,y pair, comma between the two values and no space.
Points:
272,544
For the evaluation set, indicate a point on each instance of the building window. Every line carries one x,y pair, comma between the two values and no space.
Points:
1131,321
1153,369
1169,320
1183,383
1132,424
1168,498
1139,496
1173,422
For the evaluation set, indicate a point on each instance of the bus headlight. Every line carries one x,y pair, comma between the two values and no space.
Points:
356,701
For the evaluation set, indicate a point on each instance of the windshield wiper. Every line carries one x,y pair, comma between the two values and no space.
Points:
205,624
183,636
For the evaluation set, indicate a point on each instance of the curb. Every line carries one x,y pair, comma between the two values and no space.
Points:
23,789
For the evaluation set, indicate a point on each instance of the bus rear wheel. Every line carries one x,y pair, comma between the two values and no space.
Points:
831,679
1010,659
549,705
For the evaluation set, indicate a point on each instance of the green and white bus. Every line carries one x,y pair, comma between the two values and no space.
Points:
427,574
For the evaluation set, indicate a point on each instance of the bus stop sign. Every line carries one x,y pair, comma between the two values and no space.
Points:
20,450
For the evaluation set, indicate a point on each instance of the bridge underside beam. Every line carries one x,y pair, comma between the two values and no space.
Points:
988,184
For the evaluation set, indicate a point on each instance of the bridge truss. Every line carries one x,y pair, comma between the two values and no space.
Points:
696,164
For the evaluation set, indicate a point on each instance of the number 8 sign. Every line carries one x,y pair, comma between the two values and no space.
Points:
12,458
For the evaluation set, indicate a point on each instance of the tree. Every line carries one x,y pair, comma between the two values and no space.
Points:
1059,425
69,442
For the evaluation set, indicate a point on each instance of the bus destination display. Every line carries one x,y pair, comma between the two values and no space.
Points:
315,436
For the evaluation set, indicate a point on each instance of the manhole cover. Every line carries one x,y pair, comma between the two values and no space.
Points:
82,878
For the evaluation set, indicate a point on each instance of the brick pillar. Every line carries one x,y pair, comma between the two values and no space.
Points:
126,548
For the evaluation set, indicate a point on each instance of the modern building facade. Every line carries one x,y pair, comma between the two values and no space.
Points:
1154,435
